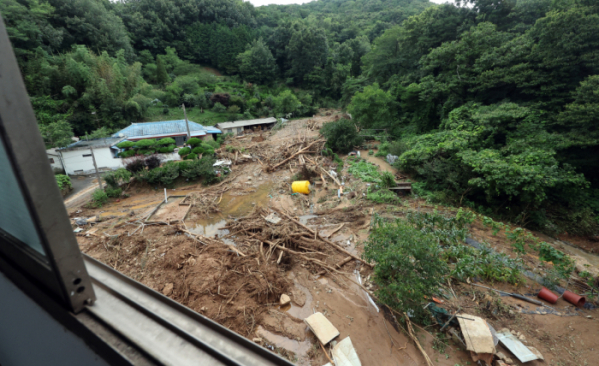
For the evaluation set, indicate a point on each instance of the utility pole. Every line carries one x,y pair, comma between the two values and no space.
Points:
186,122
96,166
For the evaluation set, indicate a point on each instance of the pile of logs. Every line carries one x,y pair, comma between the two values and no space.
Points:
277,234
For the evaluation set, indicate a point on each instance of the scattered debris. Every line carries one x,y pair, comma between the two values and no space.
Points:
272,218
168,289
478,337
284,300
324,330
522,353
344,354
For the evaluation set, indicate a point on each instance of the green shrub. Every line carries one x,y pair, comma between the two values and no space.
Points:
184,151
145,143
562,263
166,141
408,268
168,173
382,196
117,177
194,141
127,153
233,109
191,156
202,168
219,108
113,192
63,181
167,149
387,180
341,135
99,198
197,150
370,152
364,170
125,144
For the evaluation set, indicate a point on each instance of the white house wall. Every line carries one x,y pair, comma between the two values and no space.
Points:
77,164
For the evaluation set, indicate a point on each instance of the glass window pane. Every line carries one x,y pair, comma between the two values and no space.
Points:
15,218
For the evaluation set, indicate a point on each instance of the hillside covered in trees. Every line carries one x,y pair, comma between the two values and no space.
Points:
492,104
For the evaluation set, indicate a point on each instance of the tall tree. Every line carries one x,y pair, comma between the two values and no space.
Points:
161,75
257,63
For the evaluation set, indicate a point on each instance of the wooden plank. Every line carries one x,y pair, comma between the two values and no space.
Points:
324,330
477,334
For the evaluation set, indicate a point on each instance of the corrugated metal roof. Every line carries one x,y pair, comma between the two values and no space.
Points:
250,122
162,128
101,142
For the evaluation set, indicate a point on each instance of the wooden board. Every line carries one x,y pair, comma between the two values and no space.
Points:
324,330
477,334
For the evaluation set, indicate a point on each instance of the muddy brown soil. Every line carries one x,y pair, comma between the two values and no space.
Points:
206,272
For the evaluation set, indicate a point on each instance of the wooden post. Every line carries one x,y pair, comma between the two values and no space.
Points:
96,167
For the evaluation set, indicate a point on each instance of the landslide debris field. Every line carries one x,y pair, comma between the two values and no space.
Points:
231,250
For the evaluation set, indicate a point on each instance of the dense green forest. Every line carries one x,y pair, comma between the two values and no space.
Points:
491,104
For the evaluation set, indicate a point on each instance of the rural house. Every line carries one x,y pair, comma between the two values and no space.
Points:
175,129
239,127
77,157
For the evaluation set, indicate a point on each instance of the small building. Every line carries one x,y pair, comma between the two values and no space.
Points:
55,161
239,127
77,157
175,129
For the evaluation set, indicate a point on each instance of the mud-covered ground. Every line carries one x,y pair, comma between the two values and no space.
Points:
223,274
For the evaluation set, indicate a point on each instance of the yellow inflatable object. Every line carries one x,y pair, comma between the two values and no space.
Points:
301,186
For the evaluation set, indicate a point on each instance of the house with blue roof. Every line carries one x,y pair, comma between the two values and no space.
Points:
175,129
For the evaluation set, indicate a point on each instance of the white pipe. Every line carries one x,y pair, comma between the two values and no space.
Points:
165,195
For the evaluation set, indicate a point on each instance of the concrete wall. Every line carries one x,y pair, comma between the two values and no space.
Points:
56,163
77,164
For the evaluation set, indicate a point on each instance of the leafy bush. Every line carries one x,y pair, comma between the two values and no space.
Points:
387,180
63,181
219,108
145,143
197,150
125,144
370,152
194,141
113,192
191,156
166,141
382,196
562,263
168,173
135,164
202,168
341,135
127,153
99,198
364,170
408,268
167,149
184,151
117,177
233,109
152,162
